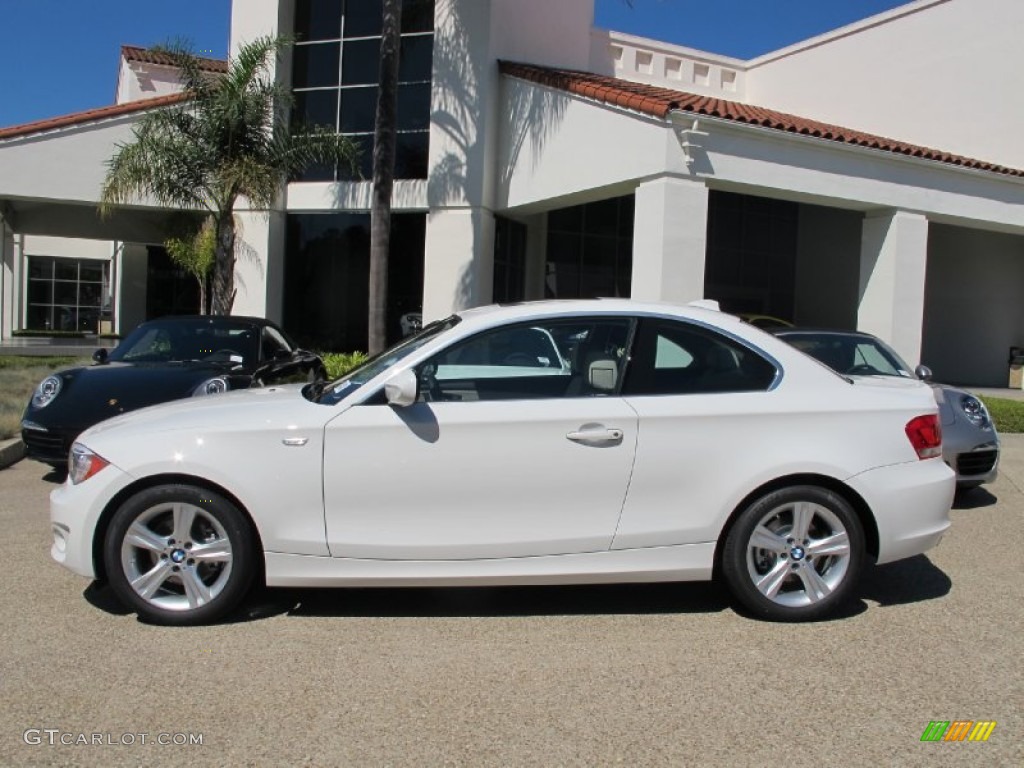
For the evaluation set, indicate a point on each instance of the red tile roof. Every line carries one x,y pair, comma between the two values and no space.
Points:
659,102
149,56
90,115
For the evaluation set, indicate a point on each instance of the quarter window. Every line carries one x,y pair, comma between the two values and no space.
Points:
548,359
673,358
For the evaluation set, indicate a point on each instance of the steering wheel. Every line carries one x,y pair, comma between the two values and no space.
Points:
862,370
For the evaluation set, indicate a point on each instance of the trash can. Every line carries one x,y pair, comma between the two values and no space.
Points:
1016,368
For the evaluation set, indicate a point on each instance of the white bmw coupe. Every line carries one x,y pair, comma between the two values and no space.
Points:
544,443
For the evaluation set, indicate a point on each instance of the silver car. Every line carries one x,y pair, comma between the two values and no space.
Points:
970,445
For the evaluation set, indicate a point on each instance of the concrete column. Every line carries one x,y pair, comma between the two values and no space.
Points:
18,266
6,280
893,262
459,261
670,240
259,263
536,255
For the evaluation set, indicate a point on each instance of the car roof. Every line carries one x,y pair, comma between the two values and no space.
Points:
527,310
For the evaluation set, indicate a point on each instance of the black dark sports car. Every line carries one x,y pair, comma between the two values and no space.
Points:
161,360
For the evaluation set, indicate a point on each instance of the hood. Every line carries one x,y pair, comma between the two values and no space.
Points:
98,392
272,405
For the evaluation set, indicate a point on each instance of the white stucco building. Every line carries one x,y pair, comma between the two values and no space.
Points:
870,177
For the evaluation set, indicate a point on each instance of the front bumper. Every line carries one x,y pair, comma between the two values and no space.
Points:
75,512
977,465
48,445
910,503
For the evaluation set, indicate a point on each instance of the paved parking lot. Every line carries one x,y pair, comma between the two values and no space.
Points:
637,675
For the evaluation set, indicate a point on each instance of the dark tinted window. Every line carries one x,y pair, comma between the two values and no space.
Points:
358,109
363,18
317,19
676,358
316,66
327,274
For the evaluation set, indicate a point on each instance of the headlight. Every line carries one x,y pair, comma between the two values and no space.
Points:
47,390
212,386
975,411
83,463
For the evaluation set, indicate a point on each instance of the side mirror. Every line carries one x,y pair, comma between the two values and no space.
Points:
923,372
100,356
402,389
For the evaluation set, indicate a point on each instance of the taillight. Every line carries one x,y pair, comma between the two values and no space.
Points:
925,434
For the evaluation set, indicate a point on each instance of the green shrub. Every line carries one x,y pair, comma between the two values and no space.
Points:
340,363
1008,415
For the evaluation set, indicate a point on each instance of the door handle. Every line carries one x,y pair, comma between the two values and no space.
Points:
295,442
596,435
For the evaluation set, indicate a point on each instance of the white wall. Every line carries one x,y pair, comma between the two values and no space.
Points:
138,80
941,73
69,164
974,304
67,247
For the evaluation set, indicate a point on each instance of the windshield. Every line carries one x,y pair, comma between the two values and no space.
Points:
219,340
354,379
850,355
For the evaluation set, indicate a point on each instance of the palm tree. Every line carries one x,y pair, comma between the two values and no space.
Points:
228,139
383,174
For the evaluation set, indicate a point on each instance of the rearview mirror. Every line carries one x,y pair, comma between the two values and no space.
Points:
402,388
923,372
100,356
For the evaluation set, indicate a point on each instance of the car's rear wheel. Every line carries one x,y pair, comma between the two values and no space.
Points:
179,554
794,554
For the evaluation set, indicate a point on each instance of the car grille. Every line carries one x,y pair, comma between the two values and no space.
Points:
44,444
976,462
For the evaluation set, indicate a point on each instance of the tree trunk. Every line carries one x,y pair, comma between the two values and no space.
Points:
224,266
201,279
383,175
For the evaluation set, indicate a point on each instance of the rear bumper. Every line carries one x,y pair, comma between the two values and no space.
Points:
911,505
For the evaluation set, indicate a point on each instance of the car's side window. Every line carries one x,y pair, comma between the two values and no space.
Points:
678,358
548,359
271,342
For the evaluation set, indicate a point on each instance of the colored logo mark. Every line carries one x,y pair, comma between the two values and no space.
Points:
958,730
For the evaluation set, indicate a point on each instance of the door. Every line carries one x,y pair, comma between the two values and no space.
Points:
519,446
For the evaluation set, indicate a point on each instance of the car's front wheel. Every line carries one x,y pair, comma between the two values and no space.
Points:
179,554
795,554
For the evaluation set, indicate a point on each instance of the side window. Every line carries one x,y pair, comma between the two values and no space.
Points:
551,359
271,342
676,358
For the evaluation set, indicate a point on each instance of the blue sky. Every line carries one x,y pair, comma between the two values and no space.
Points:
60,56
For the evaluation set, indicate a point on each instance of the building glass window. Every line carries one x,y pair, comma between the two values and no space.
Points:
335,74
327,271
509,260
751,253
590,250
170,290
67,294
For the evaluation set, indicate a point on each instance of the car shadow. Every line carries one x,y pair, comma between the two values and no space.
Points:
907,581
496,602
974,498
99,595
913,580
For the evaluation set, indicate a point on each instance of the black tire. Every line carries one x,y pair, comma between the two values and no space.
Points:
195,581
801,578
